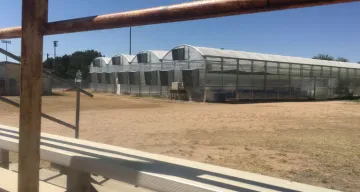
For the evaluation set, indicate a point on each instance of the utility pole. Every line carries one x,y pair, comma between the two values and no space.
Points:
6,43
130,43
55,45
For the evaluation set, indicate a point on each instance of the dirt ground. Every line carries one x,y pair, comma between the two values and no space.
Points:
309,142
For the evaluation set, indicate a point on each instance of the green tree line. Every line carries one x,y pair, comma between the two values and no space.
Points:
66,66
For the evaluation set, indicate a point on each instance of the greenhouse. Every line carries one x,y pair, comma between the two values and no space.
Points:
99,71
133,79
211,74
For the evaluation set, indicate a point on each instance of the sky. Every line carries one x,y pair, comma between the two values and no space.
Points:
305,32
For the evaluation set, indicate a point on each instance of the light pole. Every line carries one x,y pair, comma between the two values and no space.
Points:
55,45
6,43
130,43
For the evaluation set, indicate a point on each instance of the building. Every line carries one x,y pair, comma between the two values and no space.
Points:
10,80
211,74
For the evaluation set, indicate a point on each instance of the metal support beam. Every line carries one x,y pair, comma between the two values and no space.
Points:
265,80
77,119
222,74
237,78
34,18
205,78
164,14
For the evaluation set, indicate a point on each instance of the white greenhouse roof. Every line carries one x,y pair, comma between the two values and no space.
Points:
128,57
231,54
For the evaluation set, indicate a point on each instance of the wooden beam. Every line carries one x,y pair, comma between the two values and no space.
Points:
34,18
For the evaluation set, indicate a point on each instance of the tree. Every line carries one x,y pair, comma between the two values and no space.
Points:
324,57
342,59
67,65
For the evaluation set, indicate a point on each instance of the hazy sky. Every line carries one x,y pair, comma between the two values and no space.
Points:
304,32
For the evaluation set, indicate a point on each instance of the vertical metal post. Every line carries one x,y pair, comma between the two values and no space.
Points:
237,78
205,75
301,79
161,68
265,79
330,85
140,73
313,79
77,120
222,74
290,66
188,58
150,88
278,75
130,41
355,79
34,18
251,78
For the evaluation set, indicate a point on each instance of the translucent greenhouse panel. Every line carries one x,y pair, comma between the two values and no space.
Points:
284,69
352,81
113,78
271,81
326,71
197,64
245,80
357,89
272,68
258,66
295,70
245,65
284,88
258,80
321,90
295,87
307,87
306,71
93,77
340,87
272,85
214,76
229,79
99,79
316,71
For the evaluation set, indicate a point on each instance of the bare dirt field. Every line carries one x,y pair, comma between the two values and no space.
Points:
310,142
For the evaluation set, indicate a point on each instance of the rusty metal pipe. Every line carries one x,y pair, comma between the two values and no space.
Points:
173,13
